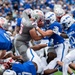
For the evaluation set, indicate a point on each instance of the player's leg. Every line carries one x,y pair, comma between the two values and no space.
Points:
69,69
22,48
72,65
69,57
35,58
60,51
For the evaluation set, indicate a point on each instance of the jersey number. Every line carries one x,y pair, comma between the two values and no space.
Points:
72,40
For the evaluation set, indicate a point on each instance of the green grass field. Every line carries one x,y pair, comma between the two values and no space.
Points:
58,73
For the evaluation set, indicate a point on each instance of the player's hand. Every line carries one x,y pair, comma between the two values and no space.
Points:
35,24
56,30
48,44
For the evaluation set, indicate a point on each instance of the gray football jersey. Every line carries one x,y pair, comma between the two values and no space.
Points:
26,25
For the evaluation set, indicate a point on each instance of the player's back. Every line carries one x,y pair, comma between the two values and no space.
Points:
5,41
26,25
26,68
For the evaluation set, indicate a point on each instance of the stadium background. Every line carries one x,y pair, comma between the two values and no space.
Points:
12,9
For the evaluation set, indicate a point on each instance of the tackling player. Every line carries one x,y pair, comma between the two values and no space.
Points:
22,39
59,43
68,25
5,41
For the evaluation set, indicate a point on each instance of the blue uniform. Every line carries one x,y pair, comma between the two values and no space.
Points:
56,38
19,21
71,33
5,41
27,68
59,45
50,41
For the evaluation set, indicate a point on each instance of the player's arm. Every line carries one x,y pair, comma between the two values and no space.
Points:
34,35
64,35
2,53
45,33
50,71
17,29
72,65
38,47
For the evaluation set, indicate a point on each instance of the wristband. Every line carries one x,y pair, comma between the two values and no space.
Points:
59,33
48,44
36,27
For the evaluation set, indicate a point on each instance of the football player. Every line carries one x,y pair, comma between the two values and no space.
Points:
28,21
5,41
59,42
68,25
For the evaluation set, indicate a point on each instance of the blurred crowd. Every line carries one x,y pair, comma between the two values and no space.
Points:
12,9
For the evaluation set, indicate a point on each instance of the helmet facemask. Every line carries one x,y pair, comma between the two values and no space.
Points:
49,18
47,22
64,26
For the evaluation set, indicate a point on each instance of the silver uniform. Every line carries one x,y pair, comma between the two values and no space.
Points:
21,41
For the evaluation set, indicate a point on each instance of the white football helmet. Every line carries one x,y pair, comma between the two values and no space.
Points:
37,14
9,72
57,6
28,11
66,21
50,17
3,23
59,12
